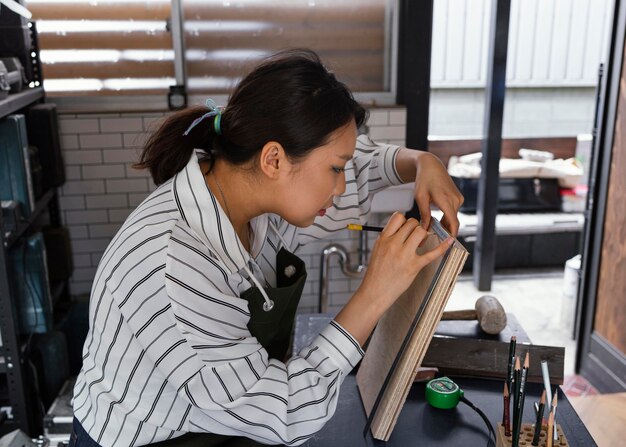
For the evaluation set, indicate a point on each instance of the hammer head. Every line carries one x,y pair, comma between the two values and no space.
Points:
490,314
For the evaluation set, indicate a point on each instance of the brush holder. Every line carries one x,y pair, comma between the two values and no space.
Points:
526,436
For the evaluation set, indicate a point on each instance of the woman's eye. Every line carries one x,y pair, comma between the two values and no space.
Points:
339,170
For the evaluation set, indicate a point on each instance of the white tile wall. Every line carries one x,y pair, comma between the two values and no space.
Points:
102,188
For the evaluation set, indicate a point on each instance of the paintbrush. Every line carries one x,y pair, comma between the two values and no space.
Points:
539,421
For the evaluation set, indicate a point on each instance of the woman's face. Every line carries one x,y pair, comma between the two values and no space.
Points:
314,181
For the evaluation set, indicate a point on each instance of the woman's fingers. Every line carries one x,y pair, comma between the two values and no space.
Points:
436,252
395,223
423,204
450,221
417,237
406,230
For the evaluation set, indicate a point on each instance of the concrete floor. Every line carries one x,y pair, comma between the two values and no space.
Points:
536,298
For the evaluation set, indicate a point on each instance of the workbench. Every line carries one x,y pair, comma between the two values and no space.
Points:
420,424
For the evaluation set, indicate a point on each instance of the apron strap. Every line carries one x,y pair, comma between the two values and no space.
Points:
280,236
268,304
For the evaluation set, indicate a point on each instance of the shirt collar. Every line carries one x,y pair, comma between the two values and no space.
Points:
200,209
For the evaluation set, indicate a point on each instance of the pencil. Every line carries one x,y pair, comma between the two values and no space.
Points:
506,416
359,227
511,358
554,405
516,428
522,395
549,435
539,421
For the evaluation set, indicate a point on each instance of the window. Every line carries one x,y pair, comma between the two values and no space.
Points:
123,47
108,47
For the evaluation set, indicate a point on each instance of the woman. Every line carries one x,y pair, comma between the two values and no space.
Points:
193,301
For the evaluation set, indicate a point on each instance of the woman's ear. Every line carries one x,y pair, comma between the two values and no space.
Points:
273,159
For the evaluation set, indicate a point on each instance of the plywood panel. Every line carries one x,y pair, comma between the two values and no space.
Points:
604,416
610,318
402,335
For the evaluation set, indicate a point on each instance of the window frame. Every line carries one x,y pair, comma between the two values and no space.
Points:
159,103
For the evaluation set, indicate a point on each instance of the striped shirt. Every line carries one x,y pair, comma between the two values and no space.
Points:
168,349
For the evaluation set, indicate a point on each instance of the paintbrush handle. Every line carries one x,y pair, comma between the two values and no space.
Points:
538,425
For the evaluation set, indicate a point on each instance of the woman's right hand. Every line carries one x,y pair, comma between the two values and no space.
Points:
394,264
394,261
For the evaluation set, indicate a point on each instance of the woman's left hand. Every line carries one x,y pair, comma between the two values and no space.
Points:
434,185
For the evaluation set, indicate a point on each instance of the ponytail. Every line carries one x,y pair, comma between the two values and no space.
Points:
167,151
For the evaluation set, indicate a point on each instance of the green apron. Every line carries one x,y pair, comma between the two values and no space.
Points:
271,328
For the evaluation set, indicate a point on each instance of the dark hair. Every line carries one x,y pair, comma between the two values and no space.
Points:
290,98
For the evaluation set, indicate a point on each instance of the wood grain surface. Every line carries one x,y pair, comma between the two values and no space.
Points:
604,416
380,378
561,147
489,358
610,317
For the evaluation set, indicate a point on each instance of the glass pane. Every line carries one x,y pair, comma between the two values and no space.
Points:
104,47
224,39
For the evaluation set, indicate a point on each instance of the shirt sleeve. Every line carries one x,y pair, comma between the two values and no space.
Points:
372,169
225,375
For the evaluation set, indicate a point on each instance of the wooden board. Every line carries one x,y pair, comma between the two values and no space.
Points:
488,358
401,338
604,416
610,318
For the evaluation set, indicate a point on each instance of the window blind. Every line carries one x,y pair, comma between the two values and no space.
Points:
115,47
104,47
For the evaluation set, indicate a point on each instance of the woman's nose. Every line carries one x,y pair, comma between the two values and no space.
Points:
340,186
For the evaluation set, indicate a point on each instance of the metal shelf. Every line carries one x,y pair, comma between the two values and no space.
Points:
17,101
19,388
40,206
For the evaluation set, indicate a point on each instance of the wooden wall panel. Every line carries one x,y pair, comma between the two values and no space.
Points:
561,147
610,317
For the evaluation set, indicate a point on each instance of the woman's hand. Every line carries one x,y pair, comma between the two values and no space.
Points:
433,184
393,266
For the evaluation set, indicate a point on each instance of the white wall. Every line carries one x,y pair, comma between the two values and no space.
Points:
102,188
528,112
552,43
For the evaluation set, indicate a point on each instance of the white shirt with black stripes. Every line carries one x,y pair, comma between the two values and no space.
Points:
168,349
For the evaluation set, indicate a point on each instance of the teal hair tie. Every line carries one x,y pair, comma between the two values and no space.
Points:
215,111
217,123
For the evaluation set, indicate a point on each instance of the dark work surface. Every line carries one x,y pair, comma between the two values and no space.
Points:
421,425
